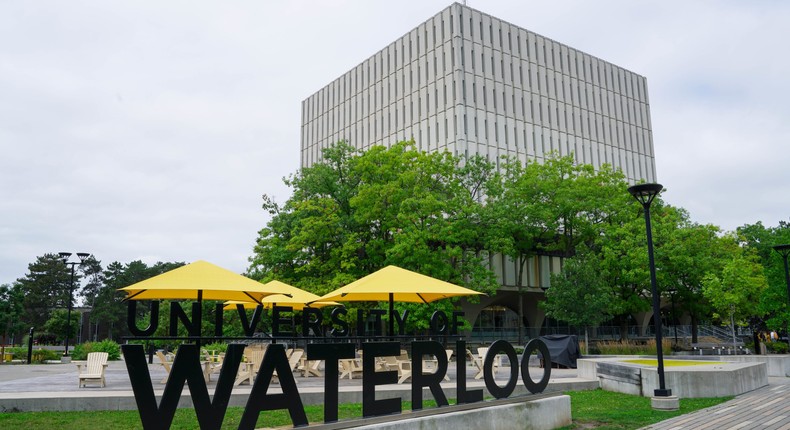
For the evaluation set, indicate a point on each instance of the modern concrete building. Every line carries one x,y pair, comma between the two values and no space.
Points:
470,83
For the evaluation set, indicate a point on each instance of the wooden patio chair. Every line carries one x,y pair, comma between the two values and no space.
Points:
249,369
349,366
293,362
94,369
433,364
308,367
477,361
165,363
482,351
404,366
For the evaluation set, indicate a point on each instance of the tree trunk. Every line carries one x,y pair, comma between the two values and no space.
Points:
586,342
623,329
732,325
694,328
519,260
520,317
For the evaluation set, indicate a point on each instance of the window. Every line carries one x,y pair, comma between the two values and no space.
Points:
463,90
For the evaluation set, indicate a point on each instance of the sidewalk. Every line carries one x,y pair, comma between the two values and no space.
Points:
767,408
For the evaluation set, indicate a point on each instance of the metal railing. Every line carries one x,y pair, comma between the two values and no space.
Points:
721,334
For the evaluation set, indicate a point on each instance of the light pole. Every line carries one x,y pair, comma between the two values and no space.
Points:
784,250
644,194
65,257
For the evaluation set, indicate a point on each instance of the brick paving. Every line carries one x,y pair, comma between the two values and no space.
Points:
766,408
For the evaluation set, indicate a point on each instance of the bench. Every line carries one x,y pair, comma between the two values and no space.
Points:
710,348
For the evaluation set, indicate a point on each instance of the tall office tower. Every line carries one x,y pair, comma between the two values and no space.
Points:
470,83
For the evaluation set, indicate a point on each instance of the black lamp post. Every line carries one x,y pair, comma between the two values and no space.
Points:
644,194
784,250
65,257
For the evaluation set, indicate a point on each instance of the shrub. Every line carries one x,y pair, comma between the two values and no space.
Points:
110,347
42,355
777,347
19,353
39,355
631,347
217,346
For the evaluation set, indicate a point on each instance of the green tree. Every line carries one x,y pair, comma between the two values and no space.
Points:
774,303
579,295
58,324
688,253
355,213
623,263
735,292
551,208
45,287
11,312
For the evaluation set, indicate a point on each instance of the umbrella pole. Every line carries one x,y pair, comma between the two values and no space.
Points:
392,314
199,318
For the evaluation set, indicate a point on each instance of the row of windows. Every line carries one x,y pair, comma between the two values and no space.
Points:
409,79
488,94
532,110
522,73
536,272
516,41
630,149
498,99
440,59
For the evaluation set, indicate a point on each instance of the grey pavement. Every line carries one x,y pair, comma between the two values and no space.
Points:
24,378
766,408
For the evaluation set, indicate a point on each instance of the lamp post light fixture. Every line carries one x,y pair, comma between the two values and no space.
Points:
64,256
784,250
645,194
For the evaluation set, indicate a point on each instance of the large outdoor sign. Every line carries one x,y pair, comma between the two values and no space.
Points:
210,412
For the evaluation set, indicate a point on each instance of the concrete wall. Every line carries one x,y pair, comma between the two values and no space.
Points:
547,413
777,365
729,379
714,380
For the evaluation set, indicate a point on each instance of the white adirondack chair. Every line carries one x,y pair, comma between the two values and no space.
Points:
94,369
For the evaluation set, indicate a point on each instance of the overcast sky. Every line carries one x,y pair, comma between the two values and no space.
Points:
150,129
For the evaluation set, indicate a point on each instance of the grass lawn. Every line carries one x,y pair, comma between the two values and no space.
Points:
608,410
590,409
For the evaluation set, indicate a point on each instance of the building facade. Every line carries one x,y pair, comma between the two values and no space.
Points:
469,83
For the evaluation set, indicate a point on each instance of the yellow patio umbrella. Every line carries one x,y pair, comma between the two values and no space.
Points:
296,298
393,284
200,281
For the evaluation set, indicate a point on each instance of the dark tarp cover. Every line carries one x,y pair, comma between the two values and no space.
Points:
563,348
